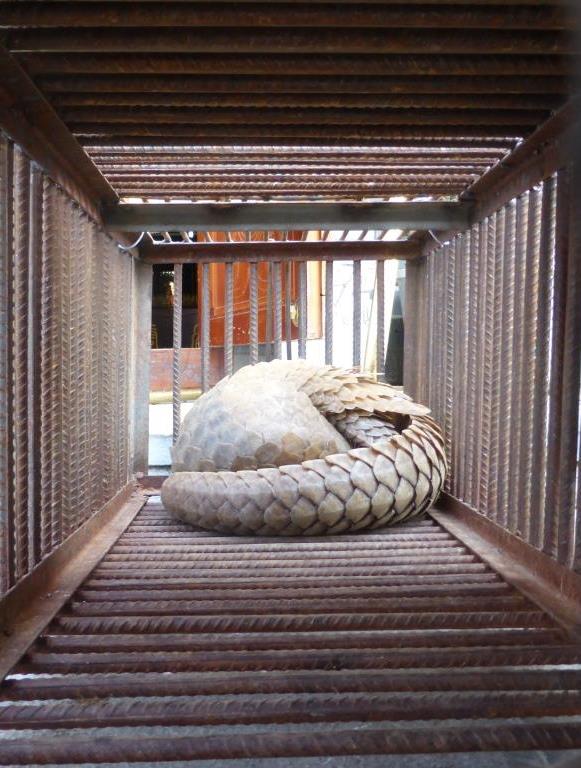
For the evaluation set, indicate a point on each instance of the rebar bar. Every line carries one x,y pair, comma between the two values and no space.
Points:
177,350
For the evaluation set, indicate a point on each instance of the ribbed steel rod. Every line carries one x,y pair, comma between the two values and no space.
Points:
34,341
288,274
256,177
302,309
338,41
329,313
205,327
540,515
356,313
277,299
300,100
318,64
253,327
380,301
520,372
336,191
280,15
486,141
92,85
235,133
129,167
229,319
310,116
177,348
295,157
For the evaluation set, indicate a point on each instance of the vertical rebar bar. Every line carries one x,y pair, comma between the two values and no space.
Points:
302,309
33,364
530,331
177,350
431,330
205,327
20,376
506,339
277,300
563,412
486,343
107,323
449,346
229,320
462,370
329,312
356,314
472,401
495,319
287,309
538,446
380,302
253,313
569,490
520,372
6,458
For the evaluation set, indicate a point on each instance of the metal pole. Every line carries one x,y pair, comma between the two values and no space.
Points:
229,320
303,309
329,313
380,288
287,309
356,314
34,362
205,327
277,297
177,347
253,312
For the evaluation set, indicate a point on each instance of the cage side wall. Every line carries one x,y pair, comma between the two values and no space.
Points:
66,314
493,326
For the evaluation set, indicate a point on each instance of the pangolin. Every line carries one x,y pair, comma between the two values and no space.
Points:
290,448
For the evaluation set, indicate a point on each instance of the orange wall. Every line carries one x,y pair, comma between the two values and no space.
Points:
161,368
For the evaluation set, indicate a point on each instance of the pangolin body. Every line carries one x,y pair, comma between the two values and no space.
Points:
289,448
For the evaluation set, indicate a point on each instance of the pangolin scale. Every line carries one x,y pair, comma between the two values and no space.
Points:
289,448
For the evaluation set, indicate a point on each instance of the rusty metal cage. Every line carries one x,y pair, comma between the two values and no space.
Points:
127,636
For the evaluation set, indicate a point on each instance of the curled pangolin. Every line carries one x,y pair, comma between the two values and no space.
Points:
289,448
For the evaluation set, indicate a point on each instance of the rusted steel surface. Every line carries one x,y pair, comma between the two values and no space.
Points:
177,14
313,116
542,154
34,601
510,416
67,308
22,544
276,251
176,352
267,76
444,128
382,661
30,121
87,87
6,419
308,64
296,40
512,102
